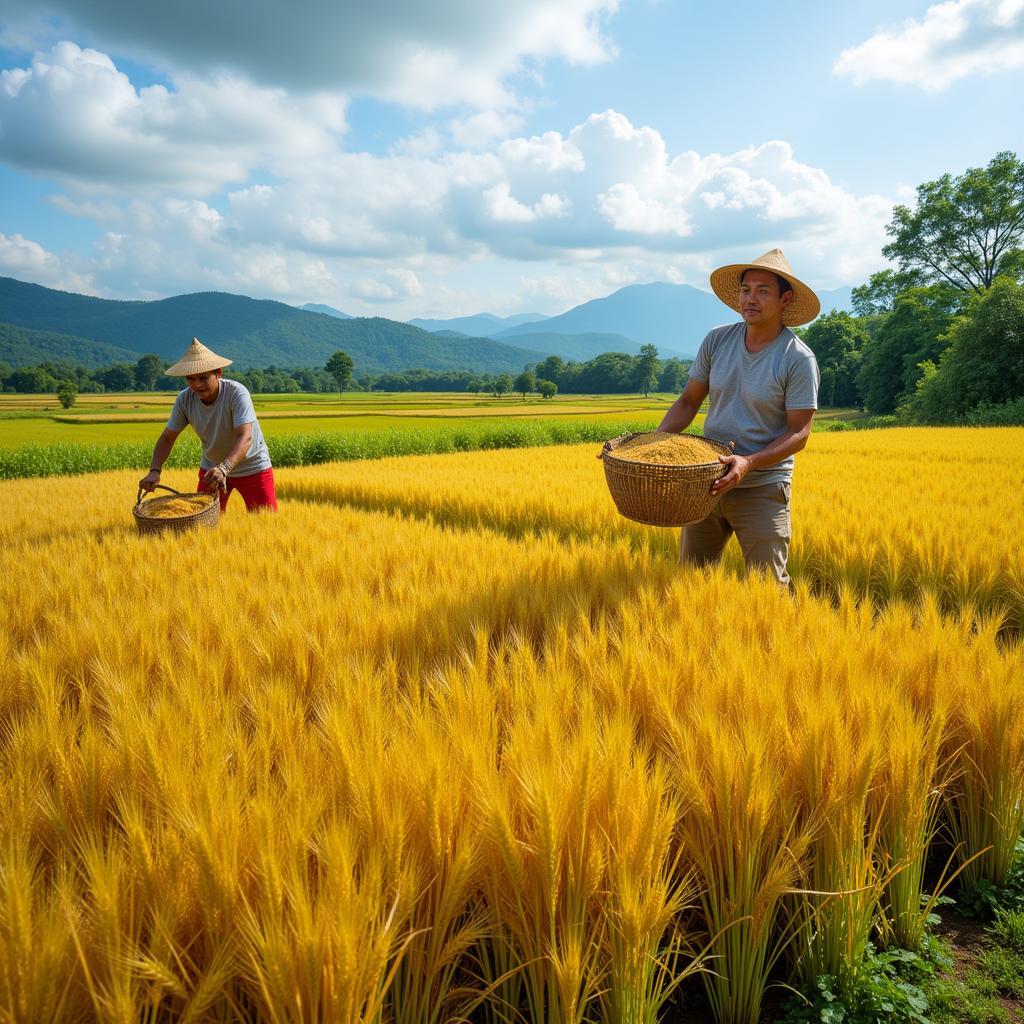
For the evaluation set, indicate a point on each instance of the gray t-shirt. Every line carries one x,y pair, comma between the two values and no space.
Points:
215,424
750,392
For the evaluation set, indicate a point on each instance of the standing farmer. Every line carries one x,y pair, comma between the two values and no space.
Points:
763,386
220,411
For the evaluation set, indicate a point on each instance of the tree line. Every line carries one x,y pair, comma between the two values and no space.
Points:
608,373
67,379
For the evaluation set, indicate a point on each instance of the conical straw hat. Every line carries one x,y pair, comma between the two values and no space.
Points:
803,307
198,359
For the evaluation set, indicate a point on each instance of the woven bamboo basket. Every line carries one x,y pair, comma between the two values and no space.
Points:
661,495
208,516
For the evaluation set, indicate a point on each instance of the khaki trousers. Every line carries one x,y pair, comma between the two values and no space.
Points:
759,516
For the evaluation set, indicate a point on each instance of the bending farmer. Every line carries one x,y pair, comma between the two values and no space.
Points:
220,411
763,386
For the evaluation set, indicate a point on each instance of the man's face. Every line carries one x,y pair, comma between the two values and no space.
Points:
760,302
205,385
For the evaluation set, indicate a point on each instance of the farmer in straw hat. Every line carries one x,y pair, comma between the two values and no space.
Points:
221,412
763,384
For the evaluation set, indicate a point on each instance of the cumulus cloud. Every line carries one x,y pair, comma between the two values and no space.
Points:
423,54
395,285
27,260
953,40
402,227
74,115
476,131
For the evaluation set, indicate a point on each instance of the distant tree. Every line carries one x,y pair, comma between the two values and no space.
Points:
147,371
646,373
547,388
610,373
913,333
119,377
5,373
340,367
837,339
502,384
526,382
67,393
473,385
672,378
551,368
32,380
963,231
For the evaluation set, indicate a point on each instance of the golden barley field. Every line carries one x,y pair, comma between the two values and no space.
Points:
448,740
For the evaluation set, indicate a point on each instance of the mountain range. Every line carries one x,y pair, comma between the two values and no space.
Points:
674,317
483,325
46,324
38,324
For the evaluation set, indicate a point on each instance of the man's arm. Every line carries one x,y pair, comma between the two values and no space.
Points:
798,430
685,407
219,474
164,444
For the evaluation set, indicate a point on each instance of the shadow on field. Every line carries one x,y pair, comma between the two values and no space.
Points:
541,609
515,525
876,578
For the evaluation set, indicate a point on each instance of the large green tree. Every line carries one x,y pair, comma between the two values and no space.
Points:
963,231
983,363
645,374
526,382
837,339
672,378
911,334
148,370
340,367
879,295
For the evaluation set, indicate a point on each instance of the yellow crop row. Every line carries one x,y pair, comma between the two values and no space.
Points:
448,737
891,513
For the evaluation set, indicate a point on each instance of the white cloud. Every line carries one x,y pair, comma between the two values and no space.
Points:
25,259
22,255
399,284
73,115
478,130
627,210
503,206
422,54
952,41
605,202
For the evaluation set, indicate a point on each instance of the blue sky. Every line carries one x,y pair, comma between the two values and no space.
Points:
446,158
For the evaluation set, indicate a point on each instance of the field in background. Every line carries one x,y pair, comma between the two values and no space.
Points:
447,737
139,417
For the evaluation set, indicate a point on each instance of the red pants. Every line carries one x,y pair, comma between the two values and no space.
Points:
257,491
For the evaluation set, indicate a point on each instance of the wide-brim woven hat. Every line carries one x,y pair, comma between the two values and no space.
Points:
802,308
198,359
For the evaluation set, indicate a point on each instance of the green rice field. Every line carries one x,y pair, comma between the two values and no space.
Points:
135,417
103,432
108,419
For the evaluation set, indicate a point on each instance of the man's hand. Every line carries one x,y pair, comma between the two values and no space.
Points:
739,467
216,479
150,480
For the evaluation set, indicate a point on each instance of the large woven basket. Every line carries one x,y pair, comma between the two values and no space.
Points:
147,524
660,495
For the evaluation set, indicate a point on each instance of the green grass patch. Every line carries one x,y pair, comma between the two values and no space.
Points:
63,459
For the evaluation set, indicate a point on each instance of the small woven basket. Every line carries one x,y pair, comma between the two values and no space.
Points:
149,524
661,495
